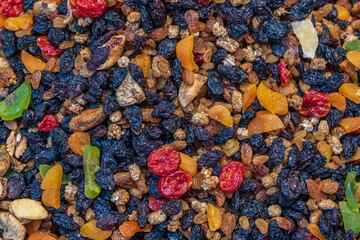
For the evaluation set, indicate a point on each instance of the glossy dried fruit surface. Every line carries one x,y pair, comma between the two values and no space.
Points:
13,105
343,13
351,91
221,114
324,149
337,100
143,61
11,8
249,96
49,122
184,52
91,166
129,228
47,48
350,124
214,217
163,161
264,121
22,22
88,8
77,140
51,197
314,190
314,229
175,184
231,176
31,63
354,58
91,231
41,236
52,178
188,164
284,73
155,204
307,35
272,101
315,104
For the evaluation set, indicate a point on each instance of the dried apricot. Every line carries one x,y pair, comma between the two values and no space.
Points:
249,96
351,91
264,121
184,52
231,176
325,150
175,184
41,236
77,140
221,114
213,217
52,178
354,58
129,228
343,13
2,20
337,101
315,230
91,231
349,68
33,226
315,104
188,164
31,63
350,124
163,161
143,61
51,197
272,101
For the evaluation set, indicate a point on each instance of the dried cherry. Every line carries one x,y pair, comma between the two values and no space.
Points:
11,8
202,2
47,48
88,8
155,204
175,184
49,122
163,161
231,176
284,73
315,104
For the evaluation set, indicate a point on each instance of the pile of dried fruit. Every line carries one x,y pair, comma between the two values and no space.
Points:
179,119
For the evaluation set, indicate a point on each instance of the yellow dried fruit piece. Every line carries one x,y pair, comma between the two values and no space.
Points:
356,156
231,147
51,197
188,164
351,91
264,121
221,114
52,178
143,61
343,13
249,96
90,230
213,217
354,58
23,22
307,35
184,52
315,230
275,102
77,140
337,100
325,150
349,68
262,225
350,124
31,63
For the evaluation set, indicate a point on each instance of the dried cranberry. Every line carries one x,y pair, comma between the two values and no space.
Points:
199,59
315,104
163,161
202,2
88,8
155,204
49,122
231,176
11,8
47,48
175,184
284,73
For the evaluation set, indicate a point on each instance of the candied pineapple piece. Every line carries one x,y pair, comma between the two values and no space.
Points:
272,101
325,150
221,114
51,197
264,121
307,35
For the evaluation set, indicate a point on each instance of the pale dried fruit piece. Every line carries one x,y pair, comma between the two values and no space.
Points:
214,217
87,119
262,225
307,35
12,227
28,209
116,46
264,121
4,160
129,92
337,101
187,92
314,229
188,164
350,124
351,91
349,68
244,222
91,231
221,114
272,101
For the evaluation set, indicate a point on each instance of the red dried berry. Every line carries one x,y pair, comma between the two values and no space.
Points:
88,8
49,122
47,48
284,73
163,161
202,2
155,204
175,184
231,176
315,104
11,8
199,59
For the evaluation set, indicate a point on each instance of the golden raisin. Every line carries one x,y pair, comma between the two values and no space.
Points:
315,230
314,190
31,63
350,124
213,217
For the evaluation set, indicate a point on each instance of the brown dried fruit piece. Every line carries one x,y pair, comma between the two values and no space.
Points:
129,92
328,186
124,180
221,114
349,68
87,119
275,102
314,190
188,92
77,140
4,160
7,76
264,121
228,224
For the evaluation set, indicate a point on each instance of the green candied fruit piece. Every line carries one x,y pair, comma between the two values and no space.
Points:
13,105
350,218
91,165
350,191
353,46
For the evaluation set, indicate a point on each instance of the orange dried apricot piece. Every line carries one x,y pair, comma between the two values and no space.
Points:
129,228
350,124
349,68
264,121
143,61
315,230
274,102
2,21
184,52
33,226
188,164
41,236
221,114
325,150
337,100
354,58
351,91
214,217
31,63
52,178
23,22
51,197
249,96
90,230
77,140
343,13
